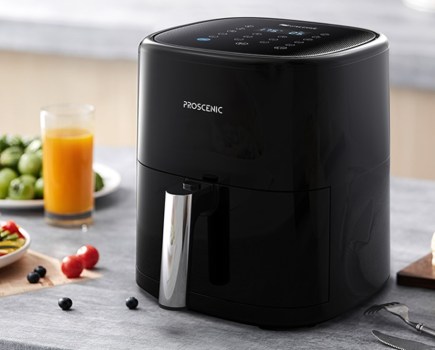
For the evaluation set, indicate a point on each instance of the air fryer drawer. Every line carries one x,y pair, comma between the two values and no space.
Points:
259,247
271,249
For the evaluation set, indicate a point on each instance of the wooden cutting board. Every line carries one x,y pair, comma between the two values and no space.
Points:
420,273
13,278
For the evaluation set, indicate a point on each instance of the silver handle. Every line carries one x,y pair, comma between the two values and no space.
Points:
175,250
425,329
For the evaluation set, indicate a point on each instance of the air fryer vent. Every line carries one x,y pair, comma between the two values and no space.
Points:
265,36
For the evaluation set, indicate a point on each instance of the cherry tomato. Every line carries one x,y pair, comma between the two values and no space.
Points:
72,266
12,227
88,255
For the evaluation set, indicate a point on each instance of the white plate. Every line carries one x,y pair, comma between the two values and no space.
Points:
111,178
14,256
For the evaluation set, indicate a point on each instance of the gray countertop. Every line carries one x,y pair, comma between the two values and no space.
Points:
112,29
100,319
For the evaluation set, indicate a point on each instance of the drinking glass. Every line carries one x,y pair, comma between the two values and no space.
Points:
68,133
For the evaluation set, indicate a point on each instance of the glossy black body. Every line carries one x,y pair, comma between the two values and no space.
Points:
301,159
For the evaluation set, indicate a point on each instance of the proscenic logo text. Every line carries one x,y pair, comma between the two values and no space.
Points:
203,107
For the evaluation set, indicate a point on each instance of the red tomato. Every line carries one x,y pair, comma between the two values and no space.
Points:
72,266
88,255
11,227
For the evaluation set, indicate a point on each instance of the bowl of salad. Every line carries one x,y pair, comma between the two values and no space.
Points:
14,242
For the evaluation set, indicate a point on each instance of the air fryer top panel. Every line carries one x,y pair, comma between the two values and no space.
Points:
266,36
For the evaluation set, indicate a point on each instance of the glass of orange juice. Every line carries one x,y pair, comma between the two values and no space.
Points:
67,136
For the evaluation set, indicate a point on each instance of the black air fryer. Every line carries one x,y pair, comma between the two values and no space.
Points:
263,169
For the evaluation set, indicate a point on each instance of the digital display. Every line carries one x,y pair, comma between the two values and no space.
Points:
264,36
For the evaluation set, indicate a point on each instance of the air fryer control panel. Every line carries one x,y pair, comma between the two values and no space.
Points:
266,36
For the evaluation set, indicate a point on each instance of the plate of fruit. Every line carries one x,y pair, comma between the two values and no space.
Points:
21,182
14,242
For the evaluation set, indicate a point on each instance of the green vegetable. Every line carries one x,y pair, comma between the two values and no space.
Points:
4,234
12,237
10,156
19,189
30,163
99,182
6,176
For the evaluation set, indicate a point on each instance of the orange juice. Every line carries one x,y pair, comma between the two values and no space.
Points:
67,171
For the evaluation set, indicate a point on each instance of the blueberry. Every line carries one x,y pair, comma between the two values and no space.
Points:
131,303
33,277
65,303
41,271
